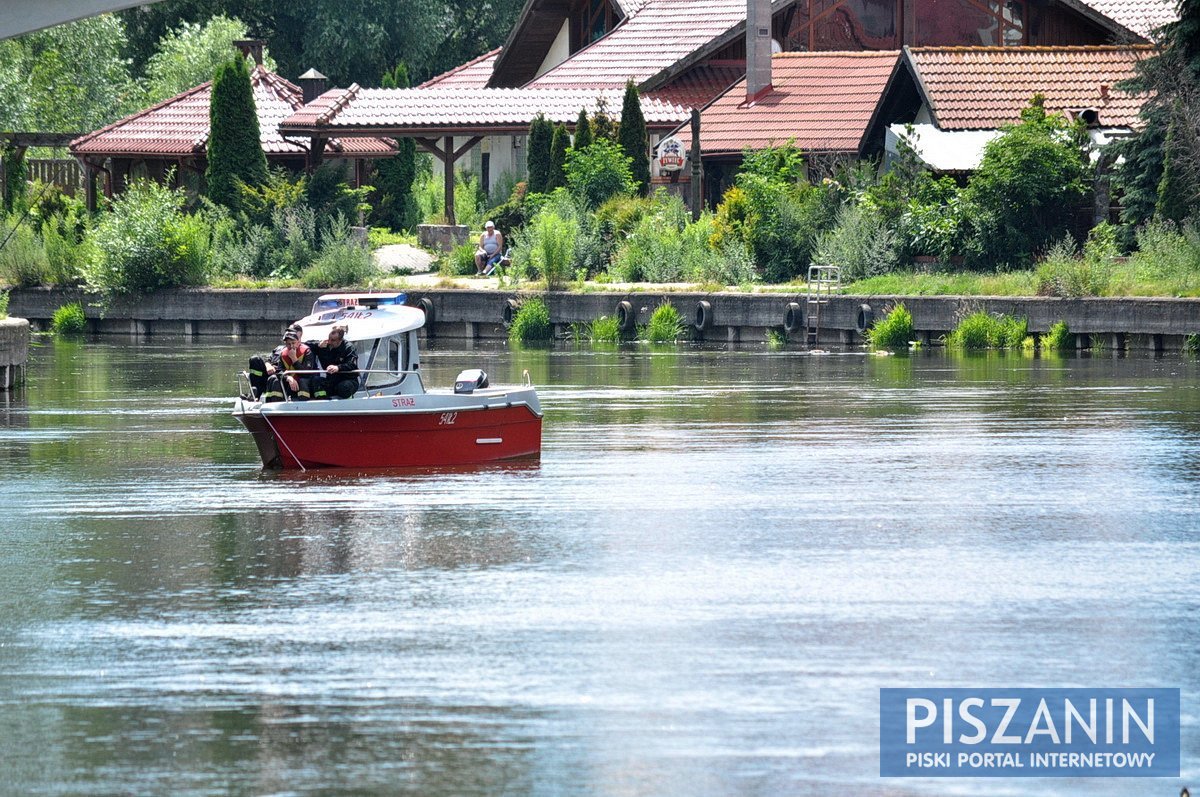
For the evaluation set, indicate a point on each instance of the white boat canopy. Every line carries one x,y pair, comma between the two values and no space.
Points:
366,316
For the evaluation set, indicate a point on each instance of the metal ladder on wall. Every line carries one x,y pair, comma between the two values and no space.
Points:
823,282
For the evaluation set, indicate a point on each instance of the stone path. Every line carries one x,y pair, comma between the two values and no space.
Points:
403,256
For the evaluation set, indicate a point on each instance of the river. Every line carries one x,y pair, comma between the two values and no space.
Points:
699,588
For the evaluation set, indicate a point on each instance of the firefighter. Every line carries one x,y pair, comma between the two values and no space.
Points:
338,359
268,376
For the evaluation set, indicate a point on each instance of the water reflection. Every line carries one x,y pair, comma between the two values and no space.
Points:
699,588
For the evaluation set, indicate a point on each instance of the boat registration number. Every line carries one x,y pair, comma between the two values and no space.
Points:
447,419
404,402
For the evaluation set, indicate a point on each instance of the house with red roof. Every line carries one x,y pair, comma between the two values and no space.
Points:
844,72
170,139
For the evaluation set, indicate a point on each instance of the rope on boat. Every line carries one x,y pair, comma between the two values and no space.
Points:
291,454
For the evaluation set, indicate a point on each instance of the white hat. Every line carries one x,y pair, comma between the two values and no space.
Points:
487,224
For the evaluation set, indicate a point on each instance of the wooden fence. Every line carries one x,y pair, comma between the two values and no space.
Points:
63,172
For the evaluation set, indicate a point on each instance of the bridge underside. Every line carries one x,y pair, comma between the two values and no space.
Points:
18,17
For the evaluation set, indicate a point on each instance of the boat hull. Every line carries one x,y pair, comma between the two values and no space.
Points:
373,439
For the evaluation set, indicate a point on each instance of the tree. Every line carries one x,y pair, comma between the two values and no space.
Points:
235,151
396,207
69,78
559,145
599,172
583,131
603,125
1027,188
190,55
430,36
540,139
1177,190
634,139
1171,78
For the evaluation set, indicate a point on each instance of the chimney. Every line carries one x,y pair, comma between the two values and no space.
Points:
312,84
758,48
252,48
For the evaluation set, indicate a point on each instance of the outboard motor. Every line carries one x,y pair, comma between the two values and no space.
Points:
471,380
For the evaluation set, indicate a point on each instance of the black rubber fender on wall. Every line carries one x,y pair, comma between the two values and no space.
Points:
864,319
626,317
704,315
793,317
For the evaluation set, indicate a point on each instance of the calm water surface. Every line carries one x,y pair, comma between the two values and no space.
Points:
699,589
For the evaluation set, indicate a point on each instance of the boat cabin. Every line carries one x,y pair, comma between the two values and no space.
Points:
383,330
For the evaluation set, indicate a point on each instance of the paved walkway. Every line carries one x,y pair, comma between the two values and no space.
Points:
403,256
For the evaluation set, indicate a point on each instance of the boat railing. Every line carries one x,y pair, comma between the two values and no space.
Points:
244,378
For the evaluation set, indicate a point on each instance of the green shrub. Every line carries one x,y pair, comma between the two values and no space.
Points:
67,252
732,221
511,215
250,254
666,325
653,251
1026,189
546,247
1168,256
531,322
859,244
980,330
1191,345
785,214
4,304
894,331
599,172
69,320
342,263
458,262
1059,338
23,260
1065,273
147,243
605,329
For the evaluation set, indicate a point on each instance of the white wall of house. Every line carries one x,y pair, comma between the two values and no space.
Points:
506,160
559,51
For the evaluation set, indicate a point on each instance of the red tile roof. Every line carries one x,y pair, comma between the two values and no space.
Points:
823,101
474,74
1142,17
178,127
454,110
658,37
979,88
699,85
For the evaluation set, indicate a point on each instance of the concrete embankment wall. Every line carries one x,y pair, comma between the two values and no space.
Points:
14,351
1125,323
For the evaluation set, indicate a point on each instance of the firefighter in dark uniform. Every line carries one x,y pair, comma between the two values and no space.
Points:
338,359
269,376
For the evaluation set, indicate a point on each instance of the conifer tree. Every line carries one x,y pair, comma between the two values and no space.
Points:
540,135
397,207
583,130
235,150
1158,176
633,138
558,158
603,125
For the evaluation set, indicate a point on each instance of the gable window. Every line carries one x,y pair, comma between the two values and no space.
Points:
844,25
956,23
594,18
884,25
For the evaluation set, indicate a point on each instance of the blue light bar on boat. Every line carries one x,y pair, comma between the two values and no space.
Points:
332,301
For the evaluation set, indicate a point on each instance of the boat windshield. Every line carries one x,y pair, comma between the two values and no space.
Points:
388,362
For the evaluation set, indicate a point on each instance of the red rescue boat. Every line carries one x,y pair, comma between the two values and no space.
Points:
392,421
